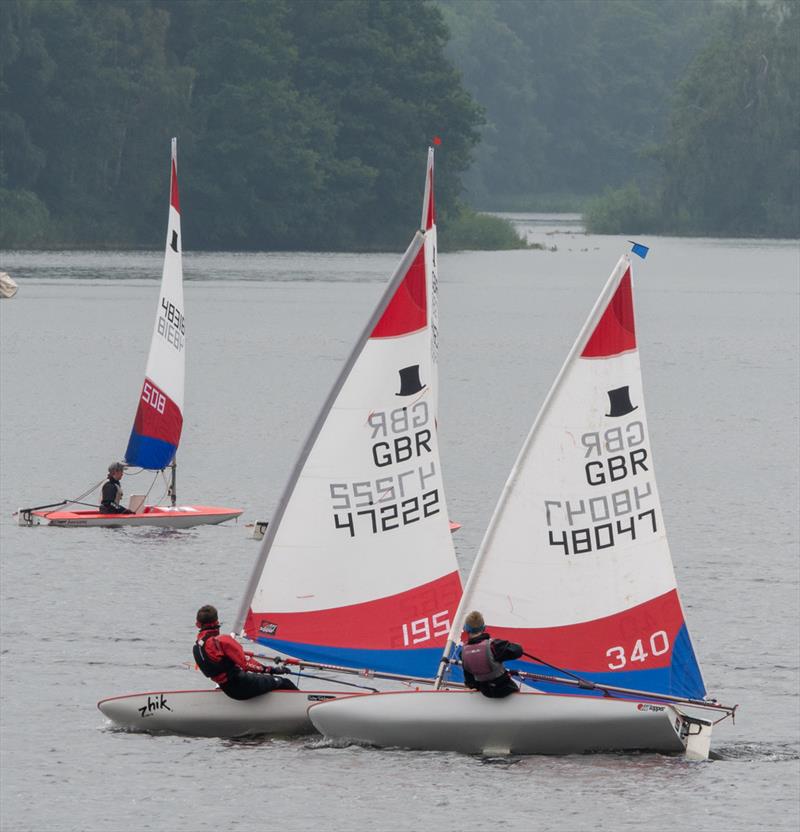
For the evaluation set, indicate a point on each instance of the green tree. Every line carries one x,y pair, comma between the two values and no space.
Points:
574,90
731,161
302,124
379,70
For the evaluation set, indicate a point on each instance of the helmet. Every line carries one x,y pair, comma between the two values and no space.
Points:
207,617
474,623
115,466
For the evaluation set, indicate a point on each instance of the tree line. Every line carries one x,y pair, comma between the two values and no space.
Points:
301,125
730,161
685,114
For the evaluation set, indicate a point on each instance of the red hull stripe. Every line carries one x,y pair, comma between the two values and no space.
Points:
616,331
173,191
373,625
407,310
158,417
591,645
431,218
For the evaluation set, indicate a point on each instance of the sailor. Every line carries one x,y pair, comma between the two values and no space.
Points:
225,662
111,500
482,659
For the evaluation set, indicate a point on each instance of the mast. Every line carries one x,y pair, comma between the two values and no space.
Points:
172,491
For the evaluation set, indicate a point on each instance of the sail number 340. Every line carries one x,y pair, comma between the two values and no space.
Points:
659,644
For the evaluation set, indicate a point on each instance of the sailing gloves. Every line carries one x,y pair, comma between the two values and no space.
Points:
276,671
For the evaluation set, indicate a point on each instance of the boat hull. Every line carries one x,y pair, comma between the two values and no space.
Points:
171,517
524,723
210,713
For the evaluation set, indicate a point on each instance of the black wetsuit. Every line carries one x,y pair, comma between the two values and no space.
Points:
111,495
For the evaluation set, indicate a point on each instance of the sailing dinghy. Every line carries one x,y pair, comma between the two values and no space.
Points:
158,423
357,572
575,567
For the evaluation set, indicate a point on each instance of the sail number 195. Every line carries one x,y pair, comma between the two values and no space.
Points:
424,629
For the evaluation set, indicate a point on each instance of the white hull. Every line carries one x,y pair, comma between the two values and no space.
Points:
524,723
178,517
210,713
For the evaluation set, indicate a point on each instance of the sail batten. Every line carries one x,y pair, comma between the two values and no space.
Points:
158,421
575,564
358,565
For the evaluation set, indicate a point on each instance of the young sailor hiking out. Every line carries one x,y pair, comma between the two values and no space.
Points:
225,662
482,659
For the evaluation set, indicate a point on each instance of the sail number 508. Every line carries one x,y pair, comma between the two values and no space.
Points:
659,644
155,398
424,629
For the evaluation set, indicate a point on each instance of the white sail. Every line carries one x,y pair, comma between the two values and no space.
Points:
358,566
575,564
159,416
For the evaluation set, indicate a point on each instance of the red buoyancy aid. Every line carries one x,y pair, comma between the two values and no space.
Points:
479,660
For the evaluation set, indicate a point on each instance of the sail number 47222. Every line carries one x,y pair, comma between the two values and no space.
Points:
424,629
659,644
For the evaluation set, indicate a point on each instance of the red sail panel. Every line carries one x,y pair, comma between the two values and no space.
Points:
615,333
157,416
408,309
173,191
430,219
596,646
382,624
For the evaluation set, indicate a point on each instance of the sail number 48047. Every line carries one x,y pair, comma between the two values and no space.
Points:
424,629
659,644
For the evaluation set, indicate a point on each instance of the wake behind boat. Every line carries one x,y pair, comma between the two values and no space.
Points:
576,568
158,424
357,573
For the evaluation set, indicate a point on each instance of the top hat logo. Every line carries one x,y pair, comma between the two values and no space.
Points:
409,381
620,402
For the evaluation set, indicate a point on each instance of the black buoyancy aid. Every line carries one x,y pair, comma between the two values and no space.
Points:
218,671
112,491
479,660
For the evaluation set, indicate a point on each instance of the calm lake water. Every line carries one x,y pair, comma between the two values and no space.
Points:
88,613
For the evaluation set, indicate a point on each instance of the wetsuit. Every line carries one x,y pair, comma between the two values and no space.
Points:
111,496
483,658
240,676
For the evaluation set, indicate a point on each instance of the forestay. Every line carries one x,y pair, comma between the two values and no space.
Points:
358,566
159,417
575,564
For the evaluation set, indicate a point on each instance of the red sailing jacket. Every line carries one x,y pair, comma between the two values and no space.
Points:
218,654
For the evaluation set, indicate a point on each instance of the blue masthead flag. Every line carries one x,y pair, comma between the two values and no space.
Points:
639,249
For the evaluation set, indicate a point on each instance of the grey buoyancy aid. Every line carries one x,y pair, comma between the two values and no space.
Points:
479,660
218,671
